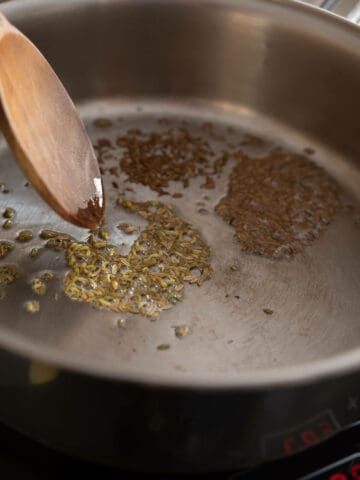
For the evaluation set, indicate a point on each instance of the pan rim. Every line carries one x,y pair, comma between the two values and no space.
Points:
306,372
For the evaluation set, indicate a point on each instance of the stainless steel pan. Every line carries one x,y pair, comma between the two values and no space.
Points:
242,388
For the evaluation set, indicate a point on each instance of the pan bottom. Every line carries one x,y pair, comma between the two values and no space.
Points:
314,297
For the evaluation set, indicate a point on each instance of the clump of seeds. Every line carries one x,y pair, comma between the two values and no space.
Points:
278,204
157,158
151,277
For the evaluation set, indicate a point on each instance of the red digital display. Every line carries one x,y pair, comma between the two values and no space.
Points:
346,469
303,436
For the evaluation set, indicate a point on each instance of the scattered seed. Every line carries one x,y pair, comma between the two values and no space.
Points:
268,311
126,228
8,275
32,306
5,248
120,322
181,331
24,236
47,276
48,234
9,213
38,286
103,233
177,195
163,346
234,268
34,252
7,224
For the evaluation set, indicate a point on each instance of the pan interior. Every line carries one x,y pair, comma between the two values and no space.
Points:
314,296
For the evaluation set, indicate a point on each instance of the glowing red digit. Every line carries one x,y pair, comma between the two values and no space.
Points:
338,476
309,437
355,471
288,445
326,428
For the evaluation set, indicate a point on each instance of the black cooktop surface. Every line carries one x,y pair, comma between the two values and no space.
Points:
337,459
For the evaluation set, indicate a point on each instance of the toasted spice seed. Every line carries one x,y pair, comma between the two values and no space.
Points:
163,346
102,123
151,277
181,331
8,275
177,195
34,252
24,236
5,248
48,234
38,286
103,233
126,228
120,322
47,276
278,204
7,224
57,244
9,213
234,268
268,311
32,306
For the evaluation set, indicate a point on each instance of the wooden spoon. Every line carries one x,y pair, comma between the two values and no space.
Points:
45,133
